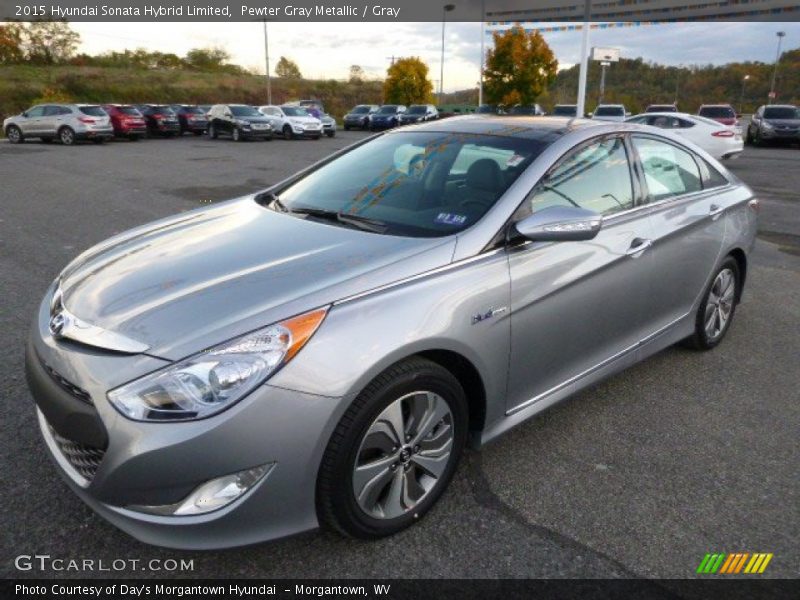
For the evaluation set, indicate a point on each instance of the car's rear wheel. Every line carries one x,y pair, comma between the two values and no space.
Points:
14,134
394,450
716,311
67,136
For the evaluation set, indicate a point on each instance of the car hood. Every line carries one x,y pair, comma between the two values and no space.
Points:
191,281
783,122
253,119
311,120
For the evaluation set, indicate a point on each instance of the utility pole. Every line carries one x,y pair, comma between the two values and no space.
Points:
483,38
781,35
603,66
391,59
445,9
741,96
584,70
266,58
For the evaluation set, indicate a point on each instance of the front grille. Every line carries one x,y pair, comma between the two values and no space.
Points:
84,459
66,385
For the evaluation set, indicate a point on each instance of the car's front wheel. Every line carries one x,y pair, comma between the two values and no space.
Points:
287,132
14,134
714,316
394,450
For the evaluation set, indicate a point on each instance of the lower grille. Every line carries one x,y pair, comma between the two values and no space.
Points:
84,459
67,385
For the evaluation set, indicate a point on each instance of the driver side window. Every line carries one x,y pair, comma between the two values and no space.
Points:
597,177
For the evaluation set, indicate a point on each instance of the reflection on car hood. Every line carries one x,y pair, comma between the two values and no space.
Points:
194,280
784,122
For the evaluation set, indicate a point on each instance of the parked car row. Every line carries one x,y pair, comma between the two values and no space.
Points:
70,123
374,117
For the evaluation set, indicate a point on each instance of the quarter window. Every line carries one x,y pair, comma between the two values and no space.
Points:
668,170
597,177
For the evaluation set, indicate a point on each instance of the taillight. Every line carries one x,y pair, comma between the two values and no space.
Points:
87,120
158,116
723,134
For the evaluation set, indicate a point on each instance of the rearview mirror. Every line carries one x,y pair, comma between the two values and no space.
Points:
560,224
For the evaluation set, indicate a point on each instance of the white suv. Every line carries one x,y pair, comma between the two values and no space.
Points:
65,122
292,121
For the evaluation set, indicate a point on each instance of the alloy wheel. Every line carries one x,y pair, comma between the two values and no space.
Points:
67,136
403,455
14,135
719,304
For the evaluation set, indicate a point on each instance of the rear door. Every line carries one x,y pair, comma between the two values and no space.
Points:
688,230
578,306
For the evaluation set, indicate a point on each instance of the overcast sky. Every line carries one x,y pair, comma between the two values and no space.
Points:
326,50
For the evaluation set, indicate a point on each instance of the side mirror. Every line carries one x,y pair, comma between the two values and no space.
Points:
560,224
25,114
228,114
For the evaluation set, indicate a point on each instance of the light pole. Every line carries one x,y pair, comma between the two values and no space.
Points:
445,9
483,37
781,35
741,96
266,59
603,65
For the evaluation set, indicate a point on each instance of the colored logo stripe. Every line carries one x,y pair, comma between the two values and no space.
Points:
734,563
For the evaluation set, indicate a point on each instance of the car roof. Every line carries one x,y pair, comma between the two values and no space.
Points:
535,128
715,105
779,106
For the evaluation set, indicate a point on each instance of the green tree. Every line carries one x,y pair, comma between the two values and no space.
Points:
519,67
11,43
49,42
356,74
207,59
287,69
407,82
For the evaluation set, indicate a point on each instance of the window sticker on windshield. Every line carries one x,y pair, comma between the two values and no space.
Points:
450,219
514,160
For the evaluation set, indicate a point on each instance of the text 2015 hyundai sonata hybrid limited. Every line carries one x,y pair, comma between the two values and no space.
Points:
321,352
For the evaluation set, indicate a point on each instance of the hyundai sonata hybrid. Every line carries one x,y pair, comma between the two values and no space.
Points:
322,351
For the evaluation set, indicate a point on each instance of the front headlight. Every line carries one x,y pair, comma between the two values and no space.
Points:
766,125
242,123
215,379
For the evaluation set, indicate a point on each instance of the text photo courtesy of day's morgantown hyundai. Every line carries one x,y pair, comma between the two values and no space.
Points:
488,298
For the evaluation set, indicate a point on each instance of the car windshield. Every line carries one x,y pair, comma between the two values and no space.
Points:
129,110
193,110
662,108
294,111
717,112
244,111
419,184
387,110
164,110
417,109
609,111
565,111
781,112
360,110
93,111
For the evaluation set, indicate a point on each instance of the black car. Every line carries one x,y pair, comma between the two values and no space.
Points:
774,123
419,113
240,121
565,110
490,109
661,108
191,118
526,110
161,120
359,116
386,117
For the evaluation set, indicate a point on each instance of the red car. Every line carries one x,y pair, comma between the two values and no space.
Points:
127,121
722,113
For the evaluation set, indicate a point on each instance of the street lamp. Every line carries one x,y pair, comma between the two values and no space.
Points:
445,9
781,35
741,96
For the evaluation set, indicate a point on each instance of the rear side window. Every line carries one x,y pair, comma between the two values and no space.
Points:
717,112
711,177
596,177
93,111
668,170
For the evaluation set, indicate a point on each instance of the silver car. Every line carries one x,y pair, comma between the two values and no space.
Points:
67,123
322,351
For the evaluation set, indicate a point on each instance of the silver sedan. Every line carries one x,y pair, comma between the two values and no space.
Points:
322,351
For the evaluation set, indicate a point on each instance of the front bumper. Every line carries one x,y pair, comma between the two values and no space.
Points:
780,134
256,133
155,464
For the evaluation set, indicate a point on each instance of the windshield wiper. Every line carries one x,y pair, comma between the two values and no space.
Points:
365,223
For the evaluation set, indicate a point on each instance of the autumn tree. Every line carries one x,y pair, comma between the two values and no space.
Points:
11,43
49,42
519,67
407,82
287,69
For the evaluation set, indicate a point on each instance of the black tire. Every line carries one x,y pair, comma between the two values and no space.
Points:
67,136
212,132
288,133
748,139
336,502
347,127
236,135
700,339
14,134
331,134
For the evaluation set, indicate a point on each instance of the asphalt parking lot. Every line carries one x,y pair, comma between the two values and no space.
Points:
641,475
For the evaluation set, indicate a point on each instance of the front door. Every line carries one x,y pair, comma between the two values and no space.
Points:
576,306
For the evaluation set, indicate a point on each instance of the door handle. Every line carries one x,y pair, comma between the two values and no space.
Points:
638,246
715,211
